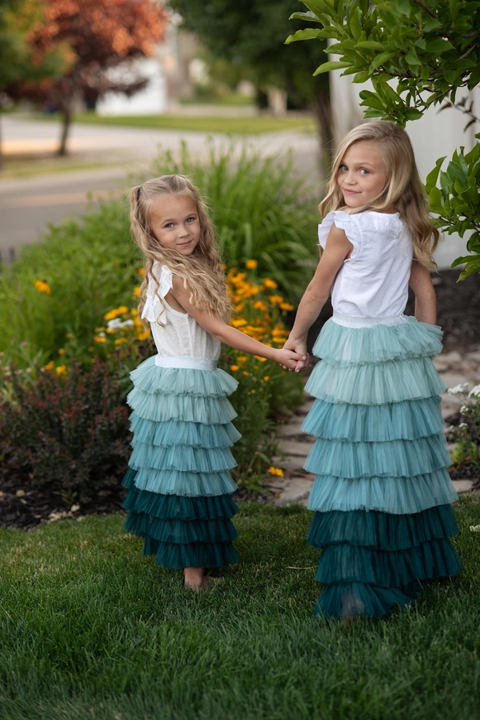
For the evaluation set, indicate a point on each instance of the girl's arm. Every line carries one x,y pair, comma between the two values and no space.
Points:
337,248
231,336
425,298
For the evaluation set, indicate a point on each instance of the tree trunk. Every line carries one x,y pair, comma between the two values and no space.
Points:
1,144
67,119
323,114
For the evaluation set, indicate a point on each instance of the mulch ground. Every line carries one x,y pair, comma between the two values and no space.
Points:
458,315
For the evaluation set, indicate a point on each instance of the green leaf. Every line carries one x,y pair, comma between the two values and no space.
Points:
332,65
413,114
432,24
433,174
369,45
381,60
361,76
309,16
307,34
402,7
439,46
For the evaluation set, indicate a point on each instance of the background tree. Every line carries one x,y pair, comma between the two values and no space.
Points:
417,54
251,34
101,34
19,62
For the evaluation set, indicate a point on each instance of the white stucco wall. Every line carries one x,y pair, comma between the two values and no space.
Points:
437,134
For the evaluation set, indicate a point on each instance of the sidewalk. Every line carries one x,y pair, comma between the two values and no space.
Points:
294,487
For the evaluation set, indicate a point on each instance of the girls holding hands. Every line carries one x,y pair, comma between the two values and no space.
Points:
179,485
382,493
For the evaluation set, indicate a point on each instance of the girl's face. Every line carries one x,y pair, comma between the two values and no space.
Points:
362,175
175,223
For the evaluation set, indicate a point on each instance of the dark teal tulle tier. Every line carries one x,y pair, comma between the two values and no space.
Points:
382,494
380,530
179,486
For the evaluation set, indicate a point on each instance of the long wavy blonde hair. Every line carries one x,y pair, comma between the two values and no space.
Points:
403,189
201,271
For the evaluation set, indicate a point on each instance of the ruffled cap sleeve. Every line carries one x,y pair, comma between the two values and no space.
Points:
343,221
153,308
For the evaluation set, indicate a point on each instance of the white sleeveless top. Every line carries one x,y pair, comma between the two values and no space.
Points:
180,341
373,281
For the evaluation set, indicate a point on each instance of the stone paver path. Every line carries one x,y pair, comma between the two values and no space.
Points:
294,487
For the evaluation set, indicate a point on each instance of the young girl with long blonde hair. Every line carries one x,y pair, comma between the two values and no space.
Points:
179,486
382,493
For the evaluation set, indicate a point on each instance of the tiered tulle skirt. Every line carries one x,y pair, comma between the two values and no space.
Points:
179,486
382,493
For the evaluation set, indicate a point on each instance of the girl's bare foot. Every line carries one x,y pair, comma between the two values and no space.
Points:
194,579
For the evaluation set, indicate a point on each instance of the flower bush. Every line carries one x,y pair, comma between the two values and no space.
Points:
467,433
70,430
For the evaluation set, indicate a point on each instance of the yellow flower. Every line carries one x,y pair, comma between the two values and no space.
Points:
251,264
238,323
277,299
234,368
61,351
143,335
141,272
286,306
260,305
266,378
245,373
50,365
43,287
120,340
99,339
136,292
61,370
271,284
275,471
262,359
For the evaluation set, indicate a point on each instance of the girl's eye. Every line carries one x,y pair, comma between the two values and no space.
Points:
169,225
343,168
191,219
364,171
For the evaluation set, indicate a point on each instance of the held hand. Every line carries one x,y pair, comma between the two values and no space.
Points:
299,347
290,360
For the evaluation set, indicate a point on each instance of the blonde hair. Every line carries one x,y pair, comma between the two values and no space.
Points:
403,189
201,271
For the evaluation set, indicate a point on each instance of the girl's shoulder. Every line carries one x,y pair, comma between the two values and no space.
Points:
153,307
341,220
357,225
164,277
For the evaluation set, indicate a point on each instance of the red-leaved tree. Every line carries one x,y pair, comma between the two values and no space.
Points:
101,34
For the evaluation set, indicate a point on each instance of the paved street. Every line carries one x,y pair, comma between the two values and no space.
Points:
28,205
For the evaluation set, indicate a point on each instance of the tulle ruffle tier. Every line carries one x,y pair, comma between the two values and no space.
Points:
179,485
382,493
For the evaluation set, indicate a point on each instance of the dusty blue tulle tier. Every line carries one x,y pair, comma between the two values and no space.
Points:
179,485
407,340
382,494
407,420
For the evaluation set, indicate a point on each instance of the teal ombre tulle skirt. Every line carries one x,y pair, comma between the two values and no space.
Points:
382,494
179,486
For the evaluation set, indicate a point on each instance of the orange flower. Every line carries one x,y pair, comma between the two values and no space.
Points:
43,287
251,264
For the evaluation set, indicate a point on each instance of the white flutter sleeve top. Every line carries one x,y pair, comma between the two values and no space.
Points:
179,336
373,281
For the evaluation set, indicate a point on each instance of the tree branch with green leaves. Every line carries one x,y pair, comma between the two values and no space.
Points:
417,55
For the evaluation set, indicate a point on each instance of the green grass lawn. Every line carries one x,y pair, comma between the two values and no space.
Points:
215,124
90,628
